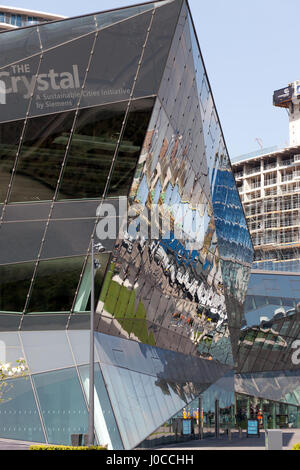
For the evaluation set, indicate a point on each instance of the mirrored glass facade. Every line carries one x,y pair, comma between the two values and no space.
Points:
203,252
270,335
116,136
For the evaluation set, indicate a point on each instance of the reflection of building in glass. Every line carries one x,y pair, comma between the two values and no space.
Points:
12,18
276,413
93,119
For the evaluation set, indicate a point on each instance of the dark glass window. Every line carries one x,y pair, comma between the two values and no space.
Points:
58,32
130,148
25,212
14,284
55,285
19,44
115,61
75,209
10,134
275,300
20,241
157,49
61,76
116,16
92,149
288,302
66,238
41,156
18,82
260,301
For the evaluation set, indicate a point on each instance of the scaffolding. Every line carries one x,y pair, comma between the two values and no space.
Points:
270,193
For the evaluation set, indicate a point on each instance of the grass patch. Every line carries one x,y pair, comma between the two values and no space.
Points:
120,302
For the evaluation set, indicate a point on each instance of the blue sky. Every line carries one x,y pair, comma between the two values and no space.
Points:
249,48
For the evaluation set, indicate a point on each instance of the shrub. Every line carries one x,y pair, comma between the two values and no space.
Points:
57,447
296,447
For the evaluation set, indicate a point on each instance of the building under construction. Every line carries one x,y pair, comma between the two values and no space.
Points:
269,186
268,376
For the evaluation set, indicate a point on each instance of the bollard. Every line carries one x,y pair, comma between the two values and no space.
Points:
229,434
240,433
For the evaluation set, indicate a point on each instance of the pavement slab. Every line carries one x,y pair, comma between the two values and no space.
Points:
290,437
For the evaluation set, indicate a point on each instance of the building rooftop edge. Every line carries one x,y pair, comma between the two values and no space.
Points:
31,12
58,17
264,153
82,15
8,26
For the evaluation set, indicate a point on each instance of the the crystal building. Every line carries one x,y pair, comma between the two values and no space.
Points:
100,115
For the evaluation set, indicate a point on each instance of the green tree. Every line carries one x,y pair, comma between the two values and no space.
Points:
7,372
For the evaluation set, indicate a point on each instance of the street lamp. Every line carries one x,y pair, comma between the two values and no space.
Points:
99,248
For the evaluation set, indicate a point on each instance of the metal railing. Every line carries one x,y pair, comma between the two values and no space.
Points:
251,171
271,192
254,196
255,185
270,166
269,182
286,162
287,177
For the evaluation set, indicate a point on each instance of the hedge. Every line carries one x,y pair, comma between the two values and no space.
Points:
296,447
57,447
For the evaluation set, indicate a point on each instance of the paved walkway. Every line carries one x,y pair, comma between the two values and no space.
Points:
290,438
7,444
